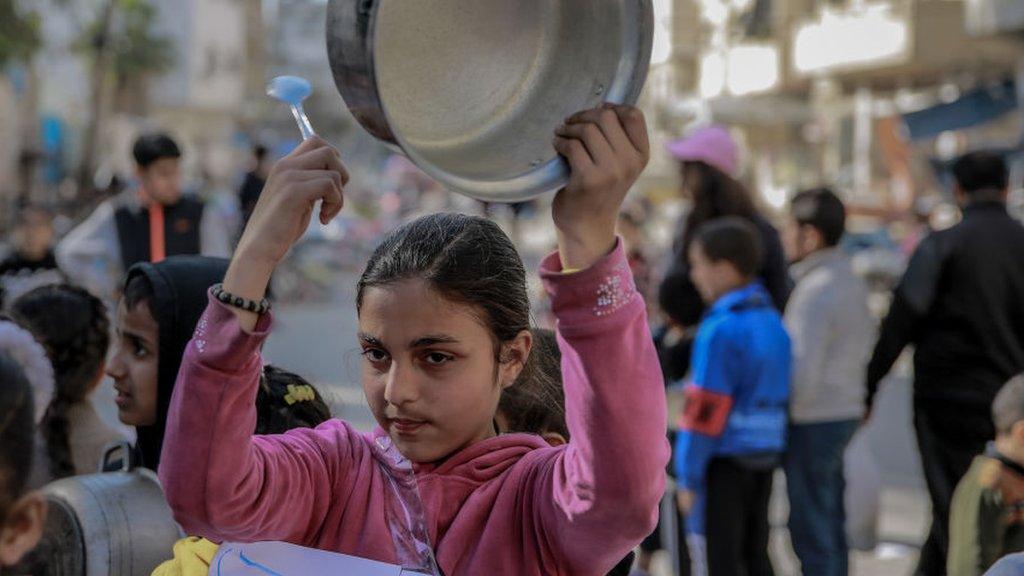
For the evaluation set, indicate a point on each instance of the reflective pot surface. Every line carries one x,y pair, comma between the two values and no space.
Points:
472,91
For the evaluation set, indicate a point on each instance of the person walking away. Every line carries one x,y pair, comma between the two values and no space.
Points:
832,334
733,430
959,304
146,224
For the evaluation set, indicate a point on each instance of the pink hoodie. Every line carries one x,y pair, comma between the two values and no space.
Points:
506,505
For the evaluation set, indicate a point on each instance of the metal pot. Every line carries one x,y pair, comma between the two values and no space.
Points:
472,90
109,524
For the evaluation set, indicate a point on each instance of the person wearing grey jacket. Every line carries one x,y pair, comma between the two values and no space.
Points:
832,333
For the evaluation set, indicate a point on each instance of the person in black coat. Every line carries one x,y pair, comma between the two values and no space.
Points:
960,305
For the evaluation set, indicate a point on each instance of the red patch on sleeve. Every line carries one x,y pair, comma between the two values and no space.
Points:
705,412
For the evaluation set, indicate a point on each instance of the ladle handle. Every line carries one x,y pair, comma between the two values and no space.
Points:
303,121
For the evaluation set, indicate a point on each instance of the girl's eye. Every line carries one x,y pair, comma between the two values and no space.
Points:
438,358
375,355
138,349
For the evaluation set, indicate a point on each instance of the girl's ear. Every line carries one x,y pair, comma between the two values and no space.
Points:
514,357
22,529
554,439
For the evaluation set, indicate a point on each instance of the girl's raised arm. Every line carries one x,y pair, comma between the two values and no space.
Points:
600,496
221,481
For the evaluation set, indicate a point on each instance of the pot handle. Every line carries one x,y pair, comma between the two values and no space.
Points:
127,463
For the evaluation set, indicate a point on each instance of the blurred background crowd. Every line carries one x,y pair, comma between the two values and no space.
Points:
874,98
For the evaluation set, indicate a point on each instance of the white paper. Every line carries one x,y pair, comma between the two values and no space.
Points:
282,559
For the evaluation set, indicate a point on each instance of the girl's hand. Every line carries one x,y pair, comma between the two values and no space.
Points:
607,148
312,172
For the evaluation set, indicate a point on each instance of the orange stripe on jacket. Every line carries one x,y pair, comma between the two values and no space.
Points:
157,245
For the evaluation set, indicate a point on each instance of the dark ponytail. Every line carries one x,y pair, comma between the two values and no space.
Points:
286,401
72,326
17,432
717,195
535,403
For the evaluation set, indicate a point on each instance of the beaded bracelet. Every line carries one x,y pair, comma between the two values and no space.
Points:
230,299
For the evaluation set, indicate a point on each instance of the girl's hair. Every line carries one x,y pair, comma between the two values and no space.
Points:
717,195
138,290
72,326
17,432
286,401
535,404
466,259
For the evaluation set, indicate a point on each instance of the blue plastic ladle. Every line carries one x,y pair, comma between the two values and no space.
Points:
292,90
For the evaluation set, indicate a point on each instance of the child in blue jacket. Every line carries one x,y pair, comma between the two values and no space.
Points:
732,433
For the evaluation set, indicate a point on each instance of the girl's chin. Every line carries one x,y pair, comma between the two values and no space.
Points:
419,451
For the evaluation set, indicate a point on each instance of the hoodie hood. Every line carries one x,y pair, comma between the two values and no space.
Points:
180,286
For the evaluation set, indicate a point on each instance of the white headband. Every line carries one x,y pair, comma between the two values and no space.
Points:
30,355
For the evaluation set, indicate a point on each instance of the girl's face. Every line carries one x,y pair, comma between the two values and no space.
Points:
133,365
429,369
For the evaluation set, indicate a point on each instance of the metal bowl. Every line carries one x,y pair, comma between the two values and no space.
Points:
107,524
472,90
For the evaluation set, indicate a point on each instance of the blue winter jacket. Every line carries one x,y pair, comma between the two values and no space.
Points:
737,401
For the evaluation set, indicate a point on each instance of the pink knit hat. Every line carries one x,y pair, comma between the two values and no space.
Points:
712,145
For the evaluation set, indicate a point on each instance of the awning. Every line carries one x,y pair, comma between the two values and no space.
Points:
974,108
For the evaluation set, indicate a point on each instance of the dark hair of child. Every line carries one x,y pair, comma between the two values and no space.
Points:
17,433
72,326
286,401
467,260
734,240
139,290
151,148
717,195
536,404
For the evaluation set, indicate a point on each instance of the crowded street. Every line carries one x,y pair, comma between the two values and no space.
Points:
487,288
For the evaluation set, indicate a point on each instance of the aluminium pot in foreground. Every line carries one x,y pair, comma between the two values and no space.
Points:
472,90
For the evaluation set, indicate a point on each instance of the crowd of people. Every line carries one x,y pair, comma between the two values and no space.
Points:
503,448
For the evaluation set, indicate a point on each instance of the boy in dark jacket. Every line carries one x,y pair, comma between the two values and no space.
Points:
732,433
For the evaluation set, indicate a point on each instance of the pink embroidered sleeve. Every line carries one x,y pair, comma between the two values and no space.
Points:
601,497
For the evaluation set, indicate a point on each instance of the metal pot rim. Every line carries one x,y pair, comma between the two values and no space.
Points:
371,111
